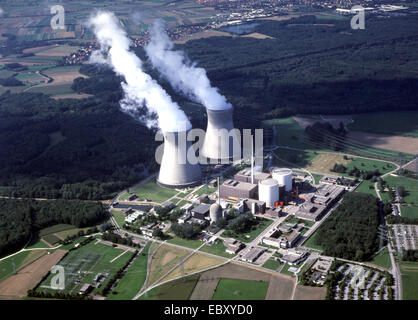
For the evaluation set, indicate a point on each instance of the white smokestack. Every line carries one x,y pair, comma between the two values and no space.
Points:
183,75
140,89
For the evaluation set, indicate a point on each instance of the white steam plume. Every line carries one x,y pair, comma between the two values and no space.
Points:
140,89
183,75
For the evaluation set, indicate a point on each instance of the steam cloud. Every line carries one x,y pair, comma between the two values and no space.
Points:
142,95
183,75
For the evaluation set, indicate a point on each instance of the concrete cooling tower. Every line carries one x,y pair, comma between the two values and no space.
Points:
175,170
212,145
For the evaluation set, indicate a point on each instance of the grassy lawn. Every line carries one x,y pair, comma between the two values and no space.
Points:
119,217
12,263
293,219
285,270
370,165
150,190
185,242
409,212
409,271
133,279
37,244
411,186
180,289
382,259
403,123
366,186
217,248
272,264
251,235
51,239
232,289
310,243
294,158
317,177
205,189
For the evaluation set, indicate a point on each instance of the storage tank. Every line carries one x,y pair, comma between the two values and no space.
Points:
283,176
268,191
175,170
219,145
215,212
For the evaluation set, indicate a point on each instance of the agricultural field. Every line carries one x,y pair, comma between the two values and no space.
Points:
232,289
310,293
133,279
409,212
119,217
29,276
180,289
10,264
402,123
150,190
195,263
85,262
193,244
164,259
409,271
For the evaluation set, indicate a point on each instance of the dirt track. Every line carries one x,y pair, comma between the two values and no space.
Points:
27,278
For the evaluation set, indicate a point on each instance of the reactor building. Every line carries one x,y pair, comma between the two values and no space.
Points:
176,171
284,177
268,191
219,139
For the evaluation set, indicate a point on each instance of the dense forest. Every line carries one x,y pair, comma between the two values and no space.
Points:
351,231
21,219
315,66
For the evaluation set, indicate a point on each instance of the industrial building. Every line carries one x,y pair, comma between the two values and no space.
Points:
176,171
215,212
231,189
268,191
276,239
245,176
294,257
284,176
255,206
233,246
201,211
253,254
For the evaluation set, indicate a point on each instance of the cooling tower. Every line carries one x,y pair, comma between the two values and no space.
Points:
175,170
219,145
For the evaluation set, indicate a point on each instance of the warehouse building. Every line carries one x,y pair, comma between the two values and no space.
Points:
245,176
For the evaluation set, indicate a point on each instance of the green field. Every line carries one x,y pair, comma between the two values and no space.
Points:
364,187
150,190
12,263
409,212
310,243
403,123
51,239
37,244
317,177
251,235
232,289
90,259
292,219
133,279
180,289
272,264
382,259
286,271
205,189
185,242
55,228
217,248
409,271
119,217
411,186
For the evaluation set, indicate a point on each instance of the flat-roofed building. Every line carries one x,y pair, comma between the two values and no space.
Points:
294,257
259,206
232,189
233,246
253,254
201,211
245,176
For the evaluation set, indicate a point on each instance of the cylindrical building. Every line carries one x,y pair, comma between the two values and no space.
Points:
219,139
268,191
283,176
215,212
176,171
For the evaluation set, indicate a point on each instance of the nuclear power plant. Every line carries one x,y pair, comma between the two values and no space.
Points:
176,171
219,144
